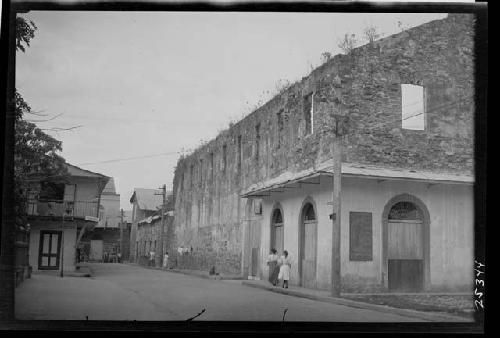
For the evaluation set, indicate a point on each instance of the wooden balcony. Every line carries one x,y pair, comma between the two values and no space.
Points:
70,209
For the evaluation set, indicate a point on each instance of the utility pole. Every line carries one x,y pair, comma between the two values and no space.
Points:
159,255
337,188
61,273
121,234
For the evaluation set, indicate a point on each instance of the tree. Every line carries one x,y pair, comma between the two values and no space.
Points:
35,152
348,43
371,33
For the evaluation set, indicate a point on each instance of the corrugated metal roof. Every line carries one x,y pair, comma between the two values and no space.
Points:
357,170
73,170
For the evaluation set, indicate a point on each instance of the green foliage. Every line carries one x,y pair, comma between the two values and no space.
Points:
35,152
371,33
348,43
25,31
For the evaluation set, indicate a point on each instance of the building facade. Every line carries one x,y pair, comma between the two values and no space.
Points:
109,213
103,242
405,105
60,212
145,203
149,237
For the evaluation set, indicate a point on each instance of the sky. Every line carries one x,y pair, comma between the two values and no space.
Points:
154,84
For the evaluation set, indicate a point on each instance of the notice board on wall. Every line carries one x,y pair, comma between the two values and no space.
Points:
360,236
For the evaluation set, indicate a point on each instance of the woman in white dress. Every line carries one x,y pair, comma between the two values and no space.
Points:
285,265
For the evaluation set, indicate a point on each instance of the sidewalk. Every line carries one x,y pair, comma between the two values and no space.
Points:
324,296
82,270
197,273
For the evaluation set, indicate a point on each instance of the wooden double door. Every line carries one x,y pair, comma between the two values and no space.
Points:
405,255
49,250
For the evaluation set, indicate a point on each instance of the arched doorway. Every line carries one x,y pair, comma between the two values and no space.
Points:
406,246
308,241
277,234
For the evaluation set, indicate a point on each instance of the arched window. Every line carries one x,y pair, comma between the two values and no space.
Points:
405,211
277,234
277,218
309,214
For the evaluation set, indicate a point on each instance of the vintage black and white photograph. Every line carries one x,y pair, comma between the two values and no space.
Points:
255,166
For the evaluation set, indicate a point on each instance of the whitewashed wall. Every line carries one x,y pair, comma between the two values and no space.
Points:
451,229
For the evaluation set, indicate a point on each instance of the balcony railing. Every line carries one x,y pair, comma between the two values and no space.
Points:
78,209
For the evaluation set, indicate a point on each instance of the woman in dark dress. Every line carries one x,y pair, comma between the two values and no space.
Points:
274,269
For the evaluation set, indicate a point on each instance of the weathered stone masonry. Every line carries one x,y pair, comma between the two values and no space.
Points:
366,85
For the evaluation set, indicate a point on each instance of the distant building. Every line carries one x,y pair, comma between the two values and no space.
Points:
103,243
149,237
127,218
109,212
145,203
61,210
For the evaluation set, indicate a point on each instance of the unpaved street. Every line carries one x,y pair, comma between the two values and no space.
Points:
125,292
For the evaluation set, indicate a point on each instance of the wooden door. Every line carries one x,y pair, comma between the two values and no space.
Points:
309,255
49,250
96,247
405,254
254,247
255,262
278,240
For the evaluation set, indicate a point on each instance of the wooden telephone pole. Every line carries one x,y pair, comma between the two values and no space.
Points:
337,188
159,256
121,234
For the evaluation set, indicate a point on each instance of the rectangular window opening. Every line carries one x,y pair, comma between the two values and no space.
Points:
280,128
191,175
257,142
360,236
412,107
201,172
309,113
239,153
212,166
224,158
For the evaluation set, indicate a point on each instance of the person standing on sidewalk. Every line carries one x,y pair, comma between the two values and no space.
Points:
165,260
152,258
272,262
285,266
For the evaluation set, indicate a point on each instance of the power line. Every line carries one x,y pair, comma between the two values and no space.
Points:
130,158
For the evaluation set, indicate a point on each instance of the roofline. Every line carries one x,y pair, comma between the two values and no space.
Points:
305,78
92,172
269,189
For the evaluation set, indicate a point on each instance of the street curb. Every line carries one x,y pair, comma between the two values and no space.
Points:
431,316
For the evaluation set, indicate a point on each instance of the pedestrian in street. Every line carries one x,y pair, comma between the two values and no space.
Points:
285,266
152,258
272,262
165,260
119,257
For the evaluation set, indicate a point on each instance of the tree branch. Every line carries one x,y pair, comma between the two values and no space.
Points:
61,129
52,118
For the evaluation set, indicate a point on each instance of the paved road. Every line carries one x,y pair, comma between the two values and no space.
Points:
124,292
